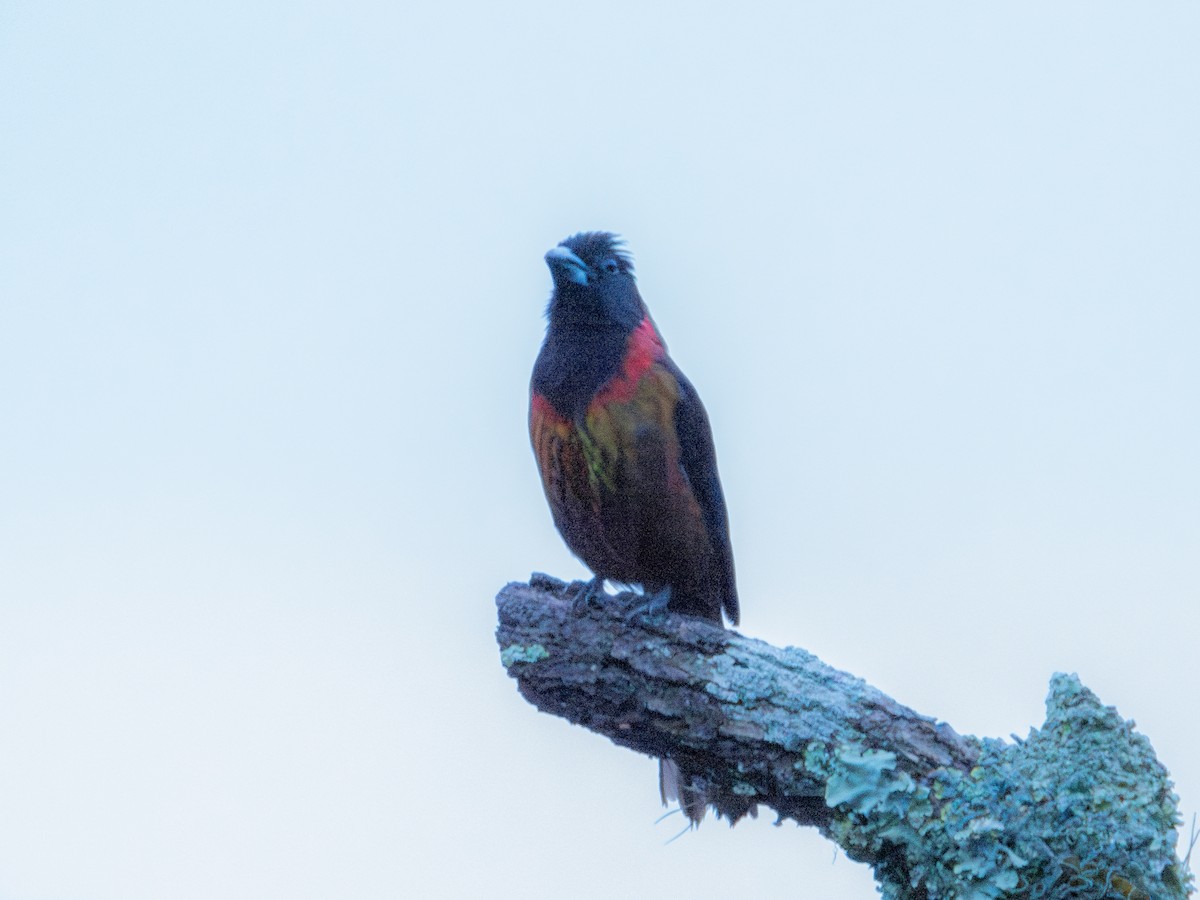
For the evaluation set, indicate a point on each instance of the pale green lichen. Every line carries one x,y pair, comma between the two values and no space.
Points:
1082,809
515,653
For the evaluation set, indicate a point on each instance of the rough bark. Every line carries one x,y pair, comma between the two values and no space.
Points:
1081,808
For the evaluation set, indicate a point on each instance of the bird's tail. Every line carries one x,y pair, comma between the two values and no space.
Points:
675,783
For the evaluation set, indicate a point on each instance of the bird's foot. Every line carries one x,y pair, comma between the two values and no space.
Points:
655,606
591,593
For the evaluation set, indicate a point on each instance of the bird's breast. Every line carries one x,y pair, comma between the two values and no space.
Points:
630,422
595,436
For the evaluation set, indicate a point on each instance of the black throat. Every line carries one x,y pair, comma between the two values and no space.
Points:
575,362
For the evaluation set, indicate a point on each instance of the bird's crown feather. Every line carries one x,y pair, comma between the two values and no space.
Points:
595,246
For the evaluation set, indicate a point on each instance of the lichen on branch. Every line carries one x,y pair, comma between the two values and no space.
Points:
1082,808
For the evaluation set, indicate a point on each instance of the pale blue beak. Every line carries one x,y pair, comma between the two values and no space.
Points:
563,263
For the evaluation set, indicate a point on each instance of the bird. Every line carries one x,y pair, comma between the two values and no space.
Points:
625,452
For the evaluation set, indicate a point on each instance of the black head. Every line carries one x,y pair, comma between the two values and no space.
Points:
594,284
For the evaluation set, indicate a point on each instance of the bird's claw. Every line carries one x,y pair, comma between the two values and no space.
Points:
655,606
588,596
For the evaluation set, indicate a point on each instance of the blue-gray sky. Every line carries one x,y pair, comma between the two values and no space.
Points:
271,284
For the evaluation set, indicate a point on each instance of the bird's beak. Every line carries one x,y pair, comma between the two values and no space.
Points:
565,264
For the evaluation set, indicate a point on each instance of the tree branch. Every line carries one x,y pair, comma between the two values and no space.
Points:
1082,808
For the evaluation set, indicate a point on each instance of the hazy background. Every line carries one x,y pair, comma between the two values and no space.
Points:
271,285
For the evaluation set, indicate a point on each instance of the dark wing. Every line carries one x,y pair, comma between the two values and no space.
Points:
699,461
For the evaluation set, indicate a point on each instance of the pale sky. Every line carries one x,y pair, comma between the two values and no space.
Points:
271,285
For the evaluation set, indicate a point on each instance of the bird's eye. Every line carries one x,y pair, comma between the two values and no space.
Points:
610,266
